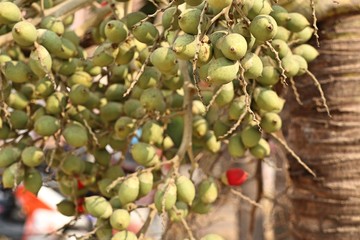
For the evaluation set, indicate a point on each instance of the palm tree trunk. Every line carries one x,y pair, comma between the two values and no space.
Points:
328,207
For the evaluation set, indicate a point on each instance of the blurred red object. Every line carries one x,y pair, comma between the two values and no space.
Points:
236,176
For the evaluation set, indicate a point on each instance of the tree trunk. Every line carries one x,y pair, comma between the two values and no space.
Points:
328,207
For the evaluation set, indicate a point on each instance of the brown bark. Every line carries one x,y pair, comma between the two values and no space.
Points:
328,207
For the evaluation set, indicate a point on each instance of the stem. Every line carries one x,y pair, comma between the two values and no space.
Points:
301,162
149,220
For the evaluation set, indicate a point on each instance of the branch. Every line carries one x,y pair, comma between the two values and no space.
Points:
301,162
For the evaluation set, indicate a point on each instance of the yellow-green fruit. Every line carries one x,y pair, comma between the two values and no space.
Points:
18,72
115,202
114,172
67,49
111,111
63,67
24,33
120,219
268,100
152,133
4,131
199,126
134,109
72,36
271,122
233,46
170,18
32,180
198,108
12,175
146,180
129,190
164,59
28,89
208,191
123,127
193,2
165,197
149,78
182,210
75,135
104,230
24,142
115,92
53,24
50,40
32,156
38,113
304,35
189,20
40,61
118,144
296,22
211,143
185,190
217,6
46,125
222,71
116,31
303,65
80,77
4,58
212,237
55,103
173,82
73,165
119,73
66,207
102,157
236,148
144,154
225,95
79,94
308,52
270,76
221,127
9,13
261,150
8,155
237,107
105,54
126,52
98,207
19,119
132,18
280,15
175,129
291,65
283,34
250,136
281,47
263,28
259,7
17,100
185,47
153,100
252,65
200,207
124,235
146,33
103,185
